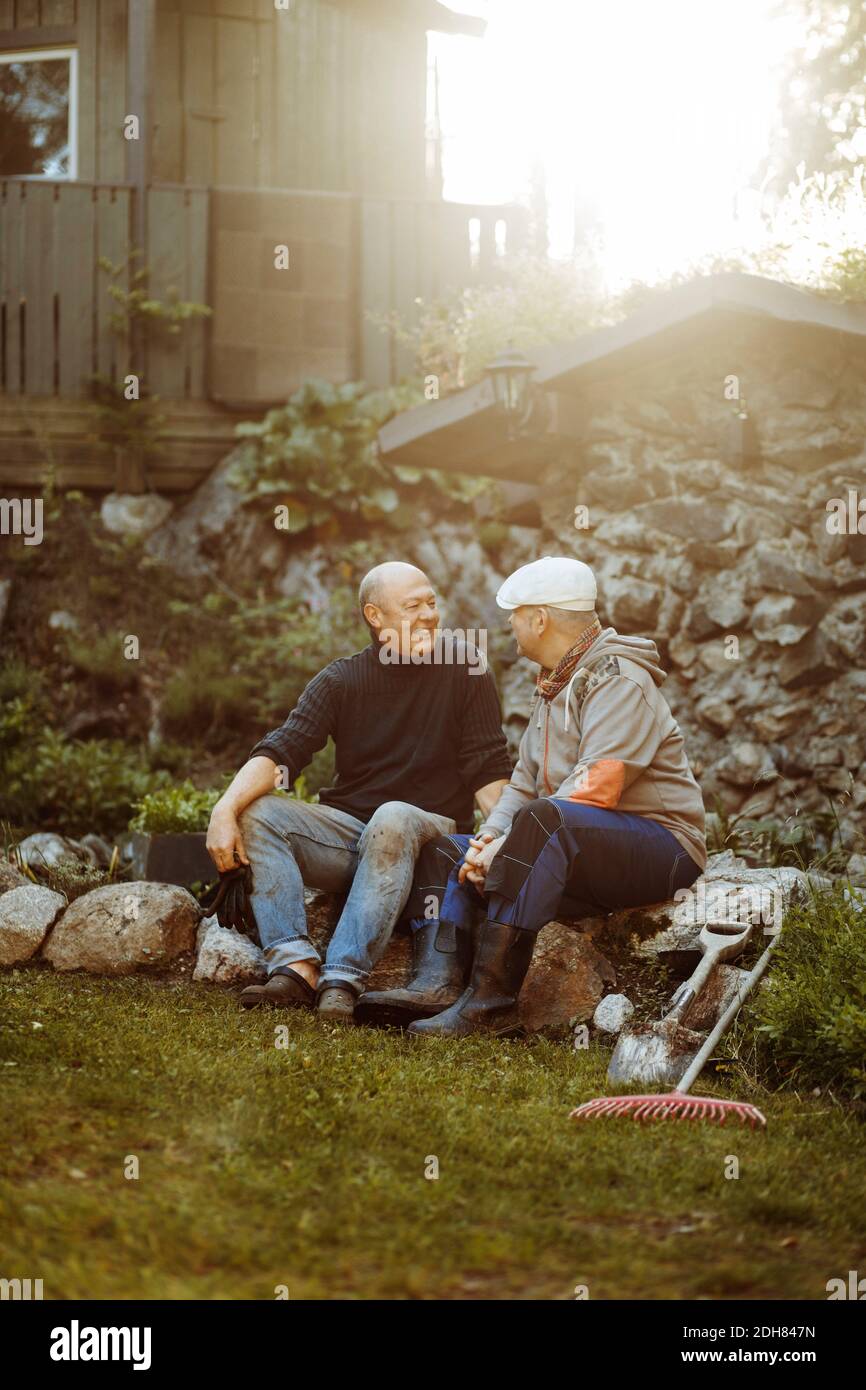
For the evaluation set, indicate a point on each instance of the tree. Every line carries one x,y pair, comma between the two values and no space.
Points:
823,105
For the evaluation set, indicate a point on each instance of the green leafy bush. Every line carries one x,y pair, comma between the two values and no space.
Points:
175,810
808,1021
318,457
73,786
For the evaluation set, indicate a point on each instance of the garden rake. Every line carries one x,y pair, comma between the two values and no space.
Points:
678,1104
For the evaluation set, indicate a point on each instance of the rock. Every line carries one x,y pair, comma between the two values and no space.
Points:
698,624
130,514
737,895
845,626
689,518
124,927
780,720
814,661
773,569
745,765
227,957
214,515
62,621
631,604
856,869
682,576
566,980
785,618
682,652
626,531
516,689
722,865
99,850
670,614
612,1013
10,877
47,850
722,556
716,714
26,916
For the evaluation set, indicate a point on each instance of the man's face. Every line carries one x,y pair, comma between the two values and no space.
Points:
524,623
409,610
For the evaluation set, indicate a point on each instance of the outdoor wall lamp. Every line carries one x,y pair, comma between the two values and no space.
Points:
517,398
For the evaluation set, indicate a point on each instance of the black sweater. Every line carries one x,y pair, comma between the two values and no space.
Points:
429,734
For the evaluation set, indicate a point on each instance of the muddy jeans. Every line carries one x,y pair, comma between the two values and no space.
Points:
293,844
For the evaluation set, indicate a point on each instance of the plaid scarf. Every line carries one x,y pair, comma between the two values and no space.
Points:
549,683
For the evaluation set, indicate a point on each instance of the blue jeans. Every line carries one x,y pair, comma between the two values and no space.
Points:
292,844
560,858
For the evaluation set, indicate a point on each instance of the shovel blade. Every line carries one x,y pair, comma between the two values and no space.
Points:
655,1056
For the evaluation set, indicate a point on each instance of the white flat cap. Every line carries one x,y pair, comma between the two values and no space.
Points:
555,582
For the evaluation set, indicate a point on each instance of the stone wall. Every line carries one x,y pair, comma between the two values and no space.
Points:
758,610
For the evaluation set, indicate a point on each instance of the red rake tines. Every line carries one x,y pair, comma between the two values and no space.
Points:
676,1105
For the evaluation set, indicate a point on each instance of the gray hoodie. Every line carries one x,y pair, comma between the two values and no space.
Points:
609,739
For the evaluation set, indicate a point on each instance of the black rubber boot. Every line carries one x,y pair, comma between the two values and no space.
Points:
489,1004
440,959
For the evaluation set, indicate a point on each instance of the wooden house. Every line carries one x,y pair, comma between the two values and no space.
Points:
196,137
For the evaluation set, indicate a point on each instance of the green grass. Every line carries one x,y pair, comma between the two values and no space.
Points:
305,1166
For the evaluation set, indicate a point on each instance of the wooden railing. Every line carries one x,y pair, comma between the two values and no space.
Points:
55,309
422,250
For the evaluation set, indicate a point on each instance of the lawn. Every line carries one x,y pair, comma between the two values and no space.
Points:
304,1166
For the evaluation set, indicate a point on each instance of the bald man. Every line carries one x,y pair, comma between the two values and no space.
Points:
416,738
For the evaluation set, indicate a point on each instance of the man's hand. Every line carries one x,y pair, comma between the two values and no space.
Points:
224,842
479,856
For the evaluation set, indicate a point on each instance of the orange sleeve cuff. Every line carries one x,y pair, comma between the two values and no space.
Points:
602,785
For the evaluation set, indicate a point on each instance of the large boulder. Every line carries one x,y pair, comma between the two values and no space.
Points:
124,927
26,917
728,891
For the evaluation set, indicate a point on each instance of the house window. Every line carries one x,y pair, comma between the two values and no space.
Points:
38,114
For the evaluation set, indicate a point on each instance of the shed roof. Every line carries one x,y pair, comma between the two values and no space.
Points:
457,432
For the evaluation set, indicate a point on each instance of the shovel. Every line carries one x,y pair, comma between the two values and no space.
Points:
662,1052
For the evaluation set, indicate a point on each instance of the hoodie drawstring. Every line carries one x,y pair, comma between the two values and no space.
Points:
568,697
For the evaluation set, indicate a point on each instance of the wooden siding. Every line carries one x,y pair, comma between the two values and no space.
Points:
314,97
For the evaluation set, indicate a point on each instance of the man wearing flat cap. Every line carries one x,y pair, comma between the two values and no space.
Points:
602,811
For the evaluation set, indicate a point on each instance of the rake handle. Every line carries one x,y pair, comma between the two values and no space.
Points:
699,1062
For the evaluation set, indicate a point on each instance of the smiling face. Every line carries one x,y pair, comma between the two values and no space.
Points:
405,610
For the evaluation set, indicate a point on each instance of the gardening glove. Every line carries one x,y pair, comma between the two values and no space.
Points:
229,898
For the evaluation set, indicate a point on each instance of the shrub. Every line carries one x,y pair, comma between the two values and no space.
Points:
808,1021
175,810
101,658
206,692
74,786
318,457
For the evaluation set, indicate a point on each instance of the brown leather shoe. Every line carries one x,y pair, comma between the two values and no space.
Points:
285,989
